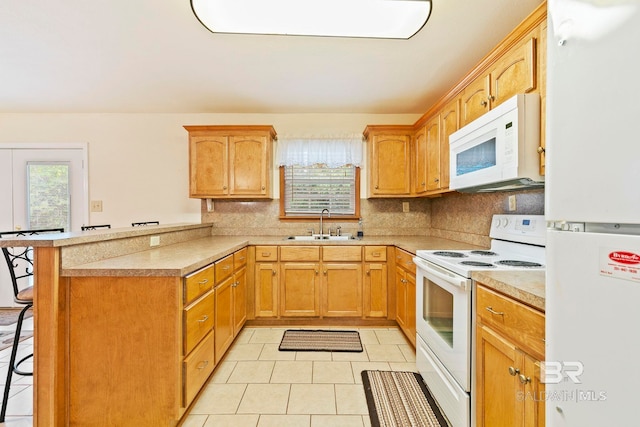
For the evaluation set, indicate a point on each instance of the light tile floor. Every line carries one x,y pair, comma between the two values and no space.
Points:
20,407
258,386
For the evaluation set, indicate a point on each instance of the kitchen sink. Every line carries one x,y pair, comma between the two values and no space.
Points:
320,237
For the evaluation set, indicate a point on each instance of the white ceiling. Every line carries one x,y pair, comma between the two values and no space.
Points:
154,56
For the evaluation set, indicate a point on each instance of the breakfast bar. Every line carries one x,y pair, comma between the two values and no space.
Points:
113,335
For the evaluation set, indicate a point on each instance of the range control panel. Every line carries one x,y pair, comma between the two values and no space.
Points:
520,228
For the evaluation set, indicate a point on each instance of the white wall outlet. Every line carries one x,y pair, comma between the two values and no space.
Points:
155,241
512,203
405,207
96,206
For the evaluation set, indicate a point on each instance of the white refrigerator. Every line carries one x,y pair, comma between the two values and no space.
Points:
592,208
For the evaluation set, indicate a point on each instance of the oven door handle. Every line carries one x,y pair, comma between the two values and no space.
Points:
441,273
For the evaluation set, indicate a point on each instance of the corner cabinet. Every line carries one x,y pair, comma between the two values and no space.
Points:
232,162
509,348
389,160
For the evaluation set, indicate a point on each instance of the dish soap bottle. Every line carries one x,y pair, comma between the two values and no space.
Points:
360,232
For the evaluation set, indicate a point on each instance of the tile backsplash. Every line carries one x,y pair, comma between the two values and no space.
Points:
455,216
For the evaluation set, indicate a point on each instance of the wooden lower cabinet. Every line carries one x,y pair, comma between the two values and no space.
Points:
266,282
300,289
230,301
509,348
406,294
342,289
375,286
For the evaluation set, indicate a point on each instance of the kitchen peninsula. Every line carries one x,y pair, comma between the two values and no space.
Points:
120,332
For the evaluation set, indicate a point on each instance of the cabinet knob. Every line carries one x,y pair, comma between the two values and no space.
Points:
513,371
368,272
204,319
523,379
541,150
491,98
437,180
484,103
203,282
224,187
376,187
274,272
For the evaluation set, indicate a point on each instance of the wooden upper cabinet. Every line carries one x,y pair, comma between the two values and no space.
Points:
509,75
420,160
514,73
389,160
230,161
449,123
432,132
475,100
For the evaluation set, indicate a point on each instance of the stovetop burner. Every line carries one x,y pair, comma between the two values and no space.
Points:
484,253
517,263
478,264
450,254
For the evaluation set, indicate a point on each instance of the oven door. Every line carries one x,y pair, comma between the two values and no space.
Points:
443,318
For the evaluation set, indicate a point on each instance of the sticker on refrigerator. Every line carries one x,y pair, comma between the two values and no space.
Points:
620,264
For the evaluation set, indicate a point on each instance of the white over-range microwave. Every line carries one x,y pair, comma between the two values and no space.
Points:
499,150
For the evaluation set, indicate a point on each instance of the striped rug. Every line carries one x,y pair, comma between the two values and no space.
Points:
320,340
400,399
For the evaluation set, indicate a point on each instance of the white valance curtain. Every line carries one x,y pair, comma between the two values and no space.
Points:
330,151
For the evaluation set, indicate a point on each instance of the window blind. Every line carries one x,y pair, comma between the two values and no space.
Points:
310,189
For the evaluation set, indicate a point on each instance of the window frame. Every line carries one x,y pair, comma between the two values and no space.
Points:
334,217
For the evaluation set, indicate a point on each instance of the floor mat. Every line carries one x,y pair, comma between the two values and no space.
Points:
320,340
400,399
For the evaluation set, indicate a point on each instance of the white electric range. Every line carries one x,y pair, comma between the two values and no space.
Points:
444,306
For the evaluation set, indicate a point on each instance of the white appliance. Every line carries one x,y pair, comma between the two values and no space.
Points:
499,150
593,211
444,306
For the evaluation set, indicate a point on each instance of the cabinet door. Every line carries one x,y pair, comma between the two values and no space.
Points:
420,161
401,298
239,300
514,73
299,289
497,380
390,165
533,393
433,153
266,283
248,174
475,100
411,308
448,125
208,167
375,289
223,314
342,289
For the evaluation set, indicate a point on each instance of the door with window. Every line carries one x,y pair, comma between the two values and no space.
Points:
41,188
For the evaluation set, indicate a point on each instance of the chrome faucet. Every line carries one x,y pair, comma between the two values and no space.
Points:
328,216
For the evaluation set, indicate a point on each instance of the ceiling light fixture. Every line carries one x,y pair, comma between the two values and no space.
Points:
392,19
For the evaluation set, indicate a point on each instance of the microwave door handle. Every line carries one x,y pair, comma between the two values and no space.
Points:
441,273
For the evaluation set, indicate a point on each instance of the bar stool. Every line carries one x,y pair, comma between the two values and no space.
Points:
94,227
137,224
20,264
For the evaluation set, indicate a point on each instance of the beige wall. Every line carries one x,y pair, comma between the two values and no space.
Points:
138,163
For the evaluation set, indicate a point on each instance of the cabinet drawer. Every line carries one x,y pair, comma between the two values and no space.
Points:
405,260
266,253
198,283
239,258
521,324
342,253
198,321
224,268
299,253
197,367
375,253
